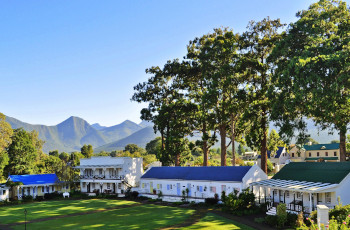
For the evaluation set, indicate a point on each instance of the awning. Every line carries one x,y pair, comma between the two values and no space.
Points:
297,186
98,166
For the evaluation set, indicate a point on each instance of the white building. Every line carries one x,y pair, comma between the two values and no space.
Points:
303,185
315,153
201,182
278,160
36,185
4,192
107,174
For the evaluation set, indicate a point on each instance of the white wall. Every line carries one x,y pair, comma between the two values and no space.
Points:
343,191
4,194
199,189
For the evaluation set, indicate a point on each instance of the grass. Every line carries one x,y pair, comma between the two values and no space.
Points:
38,210
213,221
141,217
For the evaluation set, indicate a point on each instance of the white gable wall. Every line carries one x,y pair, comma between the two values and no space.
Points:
343,190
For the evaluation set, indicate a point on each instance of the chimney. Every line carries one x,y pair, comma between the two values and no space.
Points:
310,143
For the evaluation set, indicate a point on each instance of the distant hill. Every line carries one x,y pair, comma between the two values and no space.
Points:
140,138
120,131
97,126
144,124
67,136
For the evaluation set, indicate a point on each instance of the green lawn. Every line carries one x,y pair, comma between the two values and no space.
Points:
38,210
212,221
140,217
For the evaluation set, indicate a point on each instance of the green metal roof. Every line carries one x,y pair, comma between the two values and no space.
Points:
321,147
324,158
325,172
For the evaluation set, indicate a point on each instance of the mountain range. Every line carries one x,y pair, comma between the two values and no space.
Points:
71,134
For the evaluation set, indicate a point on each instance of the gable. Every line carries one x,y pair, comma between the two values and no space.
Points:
325,172
220,173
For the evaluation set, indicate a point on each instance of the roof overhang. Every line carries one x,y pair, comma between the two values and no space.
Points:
98,166
297,186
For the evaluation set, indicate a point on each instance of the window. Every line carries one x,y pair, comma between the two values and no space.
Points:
319,197
292,154
197,188
100,171
298,195
298,154
318,154
67,186
326,154
335,154
28,191
213,189
42,189
309,154
223,188
328,197
93,185
53,188
119,186
47,189
287,194
143,185
108,186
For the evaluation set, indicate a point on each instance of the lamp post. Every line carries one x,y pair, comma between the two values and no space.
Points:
25,219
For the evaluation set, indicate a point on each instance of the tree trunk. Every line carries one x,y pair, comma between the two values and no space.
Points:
177,160
205,146
222,130
263,145
233,141
342,145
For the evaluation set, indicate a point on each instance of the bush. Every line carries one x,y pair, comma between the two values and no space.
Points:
51,196
27,198
211,201
291,219
259,220
271,220
281,214
39,198
237,204
131,195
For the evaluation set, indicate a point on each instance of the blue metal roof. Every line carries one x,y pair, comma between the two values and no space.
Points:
35,179
211,173
277,155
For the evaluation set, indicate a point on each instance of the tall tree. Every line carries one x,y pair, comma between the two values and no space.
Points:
154,146
167,109
5,140
274,141
256,45
313,62
87,151
216,57
22,154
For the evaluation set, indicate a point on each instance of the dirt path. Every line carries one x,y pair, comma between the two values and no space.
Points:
8,226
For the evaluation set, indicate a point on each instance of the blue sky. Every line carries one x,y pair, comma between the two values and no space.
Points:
82,58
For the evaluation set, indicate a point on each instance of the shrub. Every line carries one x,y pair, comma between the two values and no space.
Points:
27,198
291,219
281,214
39,198
271,220
211,201
223,196
160,195
131,195
50,196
